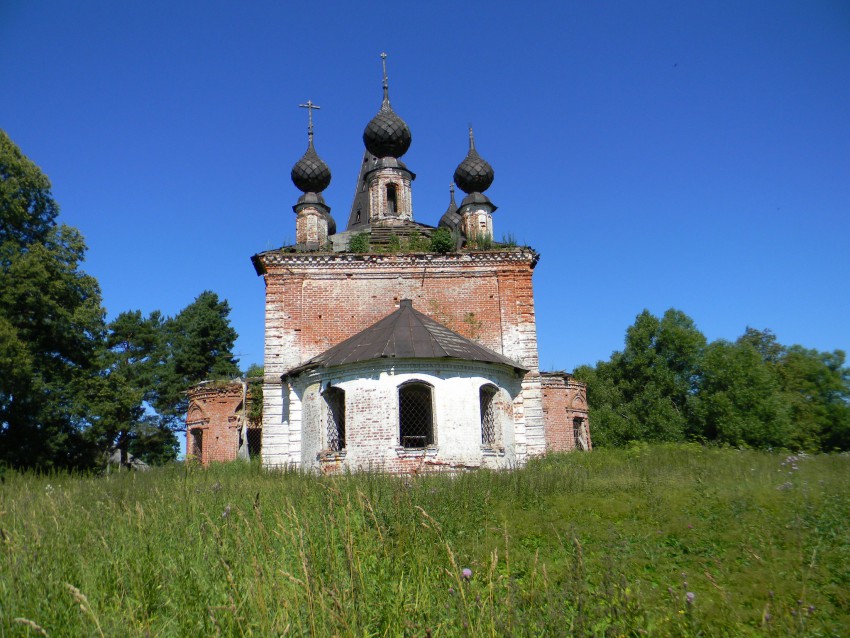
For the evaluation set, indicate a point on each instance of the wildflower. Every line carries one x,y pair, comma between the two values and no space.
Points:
689,597
226,511
811,609
767,617
466,573
451,590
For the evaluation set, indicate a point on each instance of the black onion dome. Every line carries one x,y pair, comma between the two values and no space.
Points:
474,174
310,174
387,135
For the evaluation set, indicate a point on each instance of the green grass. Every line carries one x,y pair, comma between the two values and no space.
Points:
600,544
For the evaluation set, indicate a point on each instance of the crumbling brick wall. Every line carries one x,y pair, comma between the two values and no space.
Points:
213,422
565,412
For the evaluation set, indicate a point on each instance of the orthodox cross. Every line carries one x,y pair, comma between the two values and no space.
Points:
309,106
386,80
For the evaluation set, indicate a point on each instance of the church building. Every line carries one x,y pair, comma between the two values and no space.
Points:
400,346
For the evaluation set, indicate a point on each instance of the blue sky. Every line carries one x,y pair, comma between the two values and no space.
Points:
693,155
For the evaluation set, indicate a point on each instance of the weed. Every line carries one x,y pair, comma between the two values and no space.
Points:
359,243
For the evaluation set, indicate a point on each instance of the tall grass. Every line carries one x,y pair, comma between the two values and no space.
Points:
659,541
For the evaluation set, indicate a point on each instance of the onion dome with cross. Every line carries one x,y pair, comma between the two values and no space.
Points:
386,135
310,174
474,174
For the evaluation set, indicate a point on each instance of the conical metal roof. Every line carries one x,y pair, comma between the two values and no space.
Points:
406,334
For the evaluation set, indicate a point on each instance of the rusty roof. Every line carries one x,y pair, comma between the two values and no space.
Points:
406,334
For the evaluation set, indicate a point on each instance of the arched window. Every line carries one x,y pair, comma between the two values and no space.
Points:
579,440
392,199
415,415
335,403
197,443
487,400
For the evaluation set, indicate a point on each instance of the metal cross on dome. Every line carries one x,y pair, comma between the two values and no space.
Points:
386,79
309,106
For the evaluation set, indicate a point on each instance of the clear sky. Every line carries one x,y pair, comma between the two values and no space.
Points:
680,154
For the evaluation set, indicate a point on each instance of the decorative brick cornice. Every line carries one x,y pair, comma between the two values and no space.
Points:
361,261
205,391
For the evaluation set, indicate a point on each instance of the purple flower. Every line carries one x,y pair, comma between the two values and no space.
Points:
466,573
689,597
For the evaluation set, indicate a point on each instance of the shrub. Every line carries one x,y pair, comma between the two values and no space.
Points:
359,243
418,243
441,241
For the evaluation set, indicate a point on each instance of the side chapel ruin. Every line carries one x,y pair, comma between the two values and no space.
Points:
382,352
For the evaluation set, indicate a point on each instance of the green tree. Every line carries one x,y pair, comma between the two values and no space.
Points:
197,345
816,386
51,323
646,391
740,400
121,416
27,208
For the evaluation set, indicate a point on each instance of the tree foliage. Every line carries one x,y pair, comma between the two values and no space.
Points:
72,388
51,322
669,384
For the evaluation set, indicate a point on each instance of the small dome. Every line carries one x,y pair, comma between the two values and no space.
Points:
474,174
310,174
451,218
387,135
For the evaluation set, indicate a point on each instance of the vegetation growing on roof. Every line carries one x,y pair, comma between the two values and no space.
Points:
359,243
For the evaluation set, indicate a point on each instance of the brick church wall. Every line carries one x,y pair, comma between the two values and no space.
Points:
316,300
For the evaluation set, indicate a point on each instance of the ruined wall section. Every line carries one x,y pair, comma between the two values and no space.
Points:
213,422
565,412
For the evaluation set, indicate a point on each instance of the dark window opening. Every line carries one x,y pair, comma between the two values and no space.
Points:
415,415
578,433
197,443
255,442
335,401
487,398
357,221
392,202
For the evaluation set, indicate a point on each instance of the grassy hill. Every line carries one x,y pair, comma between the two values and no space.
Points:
658,541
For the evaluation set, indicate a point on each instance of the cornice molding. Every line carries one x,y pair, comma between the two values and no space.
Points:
356,261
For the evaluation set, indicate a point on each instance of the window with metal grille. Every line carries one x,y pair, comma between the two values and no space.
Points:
335,401
255,442
487,397
415,415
